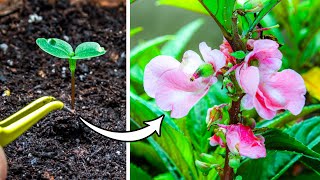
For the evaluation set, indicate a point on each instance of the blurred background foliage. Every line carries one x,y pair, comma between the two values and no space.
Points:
159,29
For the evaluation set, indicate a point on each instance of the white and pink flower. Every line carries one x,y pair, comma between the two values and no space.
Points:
241,140
266,89
168,81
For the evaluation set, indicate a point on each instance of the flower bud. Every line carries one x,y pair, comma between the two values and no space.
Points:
204,70
213,114
234,162
205,168
252,6
216,114
208,158
249,122
229,85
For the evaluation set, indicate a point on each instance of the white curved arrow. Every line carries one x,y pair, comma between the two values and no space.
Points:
130,136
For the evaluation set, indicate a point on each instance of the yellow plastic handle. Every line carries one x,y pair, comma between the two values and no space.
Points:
15,125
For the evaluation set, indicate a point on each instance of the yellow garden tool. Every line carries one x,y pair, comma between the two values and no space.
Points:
16,124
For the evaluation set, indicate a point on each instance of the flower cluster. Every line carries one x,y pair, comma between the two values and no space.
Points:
178,86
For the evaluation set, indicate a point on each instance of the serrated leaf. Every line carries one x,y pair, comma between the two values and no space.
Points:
285,118
238,54
312,163
191,5
176,46
277,163
278,140
138,173
88,50
55,47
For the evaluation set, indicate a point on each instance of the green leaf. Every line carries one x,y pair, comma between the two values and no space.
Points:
139,49
136,74
278,140
172,145
138,173
238,54
312,163
135,31
144,151
88,50
55,47
276,163
196,126
221,11
176,46
285,118
192,5
165,176
268,5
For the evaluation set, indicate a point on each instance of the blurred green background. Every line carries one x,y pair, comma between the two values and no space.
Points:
162,20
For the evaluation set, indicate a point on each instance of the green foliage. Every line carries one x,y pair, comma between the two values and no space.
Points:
221,11
138,173
278,140
268,5
276,163
135,31
192,5
140,49
286,118
299,22
88,50
172,142
55,47
238,54
62,49
176,46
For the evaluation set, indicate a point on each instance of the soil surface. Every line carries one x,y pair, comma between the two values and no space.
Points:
60,146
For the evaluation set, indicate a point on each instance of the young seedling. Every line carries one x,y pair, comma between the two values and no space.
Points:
62,49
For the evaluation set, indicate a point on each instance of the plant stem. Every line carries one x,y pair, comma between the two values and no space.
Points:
73,90
227,171
236,45
72,67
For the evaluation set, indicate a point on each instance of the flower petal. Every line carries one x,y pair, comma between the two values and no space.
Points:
190,62
267,53
216,140
214,57
261,107
155,69
249,79
247,101
285,90
177,93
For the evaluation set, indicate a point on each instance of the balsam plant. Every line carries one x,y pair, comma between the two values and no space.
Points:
62,49
235,110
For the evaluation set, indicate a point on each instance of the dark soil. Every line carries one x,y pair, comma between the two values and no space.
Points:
60,146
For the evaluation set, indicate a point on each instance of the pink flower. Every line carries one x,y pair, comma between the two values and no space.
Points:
266,53
241,140
216,140
168,81
266,89
226,49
